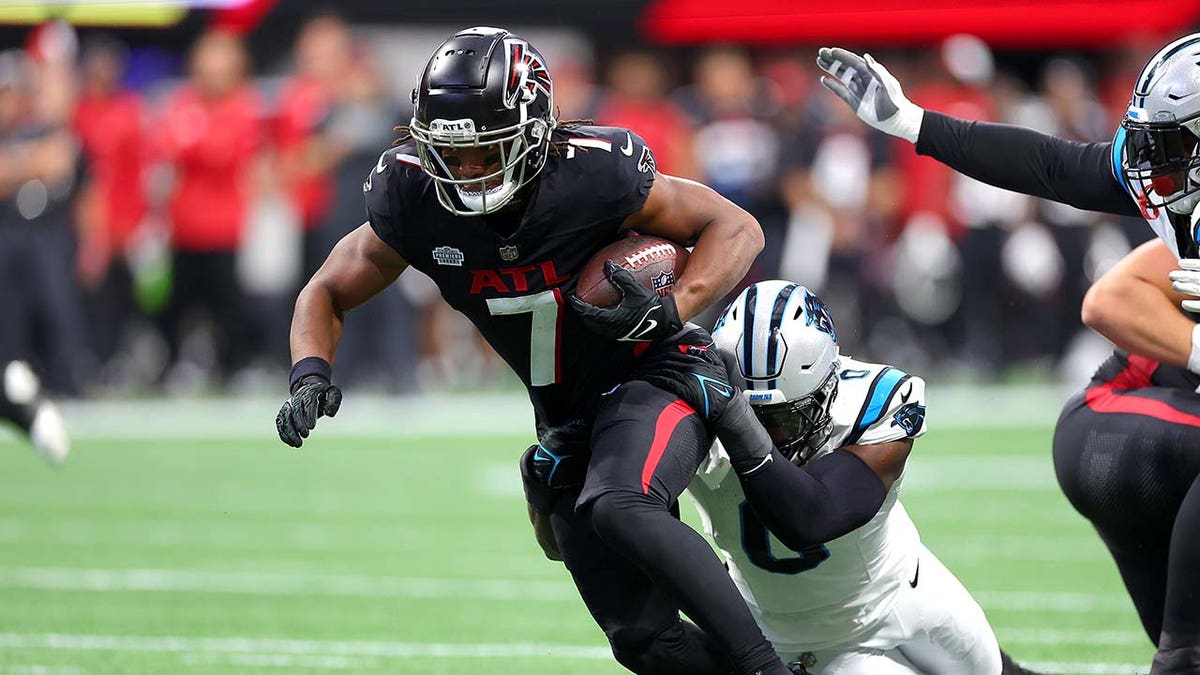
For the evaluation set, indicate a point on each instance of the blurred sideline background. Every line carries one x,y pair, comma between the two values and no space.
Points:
200,160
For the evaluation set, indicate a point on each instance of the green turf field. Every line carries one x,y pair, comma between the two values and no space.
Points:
414,556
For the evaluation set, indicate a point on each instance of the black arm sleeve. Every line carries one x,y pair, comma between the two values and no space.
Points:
804,507
1023,160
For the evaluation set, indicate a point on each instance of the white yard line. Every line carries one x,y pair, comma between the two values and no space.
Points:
342,655
1088,668
1058,601
281,661
361,585
244,645
289,584
1072,636
487,414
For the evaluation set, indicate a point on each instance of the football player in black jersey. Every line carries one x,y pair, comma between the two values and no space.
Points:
502,205
1126,448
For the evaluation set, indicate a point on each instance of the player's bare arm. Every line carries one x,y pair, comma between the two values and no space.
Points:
887,460
359,267
1134,306
727,238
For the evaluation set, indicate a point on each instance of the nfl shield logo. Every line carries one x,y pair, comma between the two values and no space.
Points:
663,283
508,253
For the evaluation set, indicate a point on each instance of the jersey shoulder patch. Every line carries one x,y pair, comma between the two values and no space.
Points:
891,403
383,191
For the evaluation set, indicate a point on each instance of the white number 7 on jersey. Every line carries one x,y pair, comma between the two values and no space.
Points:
545,328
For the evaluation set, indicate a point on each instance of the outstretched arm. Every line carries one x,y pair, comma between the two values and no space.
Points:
1023,160
1006,156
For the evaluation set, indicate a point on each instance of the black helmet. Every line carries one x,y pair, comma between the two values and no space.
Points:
484,87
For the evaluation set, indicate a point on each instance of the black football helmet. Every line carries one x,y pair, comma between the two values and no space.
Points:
487,88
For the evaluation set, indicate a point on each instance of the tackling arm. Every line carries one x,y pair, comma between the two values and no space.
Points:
830,498
1134,306
727,238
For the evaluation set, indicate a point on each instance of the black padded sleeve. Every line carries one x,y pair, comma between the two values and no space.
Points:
1023,160
831,497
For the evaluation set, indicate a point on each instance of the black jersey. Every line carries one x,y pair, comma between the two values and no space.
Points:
514,288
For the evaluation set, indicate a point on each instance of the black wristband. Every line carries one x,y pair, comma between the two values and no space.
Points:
309,365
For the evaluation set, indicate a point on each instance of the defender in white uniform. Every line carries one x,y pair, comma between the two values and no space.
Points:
873,600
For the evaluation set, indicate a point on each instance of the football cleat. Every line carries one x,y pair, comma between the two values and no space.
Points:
25,405
49,433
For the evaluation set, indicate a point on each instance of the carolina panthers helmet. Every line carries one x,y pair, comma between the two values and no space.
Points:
1162,127
782,338
483,88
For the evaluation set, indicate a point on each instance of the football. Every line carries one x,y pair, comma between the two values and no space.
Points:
656,263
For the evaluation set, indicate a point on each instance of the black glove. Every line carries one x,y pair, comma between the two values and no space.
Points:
312,397
711,382
641,316
544,475
695,373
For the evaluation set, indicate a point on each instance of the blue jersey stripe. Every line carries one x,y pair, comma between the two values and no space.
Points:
1117,149
881,392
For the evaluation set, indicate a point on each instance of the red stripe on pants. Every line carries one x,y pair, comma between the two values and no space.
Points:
1110,397
668,419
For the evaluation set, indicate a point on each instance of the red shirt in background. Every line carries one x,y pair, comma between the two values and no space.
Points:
928,182
212,145
303,106
110,128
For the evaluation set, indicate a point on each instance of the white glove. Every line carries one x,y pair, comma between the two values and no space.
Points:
1186,281
871,92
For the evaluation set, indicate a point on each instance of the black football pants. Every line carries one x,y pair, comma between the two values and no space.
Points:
635,564
1128,459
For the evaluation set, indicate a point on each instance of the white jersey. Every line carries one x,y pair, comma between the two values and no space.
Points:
830,594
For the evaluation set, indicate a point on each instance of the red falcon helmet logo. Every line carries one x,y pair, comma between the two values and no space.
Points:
527,74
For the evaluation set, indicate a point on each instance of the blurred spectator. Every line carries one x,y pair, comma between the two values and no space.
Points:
637,98
377,345
736,148
40,175
108,120
840,187
323,63
1072,111
212,136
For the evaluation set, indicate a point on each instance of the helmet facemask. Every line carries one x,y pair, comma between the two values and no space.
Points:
519,150
801,426
1161,156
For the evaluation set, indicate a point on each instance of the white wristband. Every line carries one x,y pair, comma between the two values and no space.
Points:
1194,357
